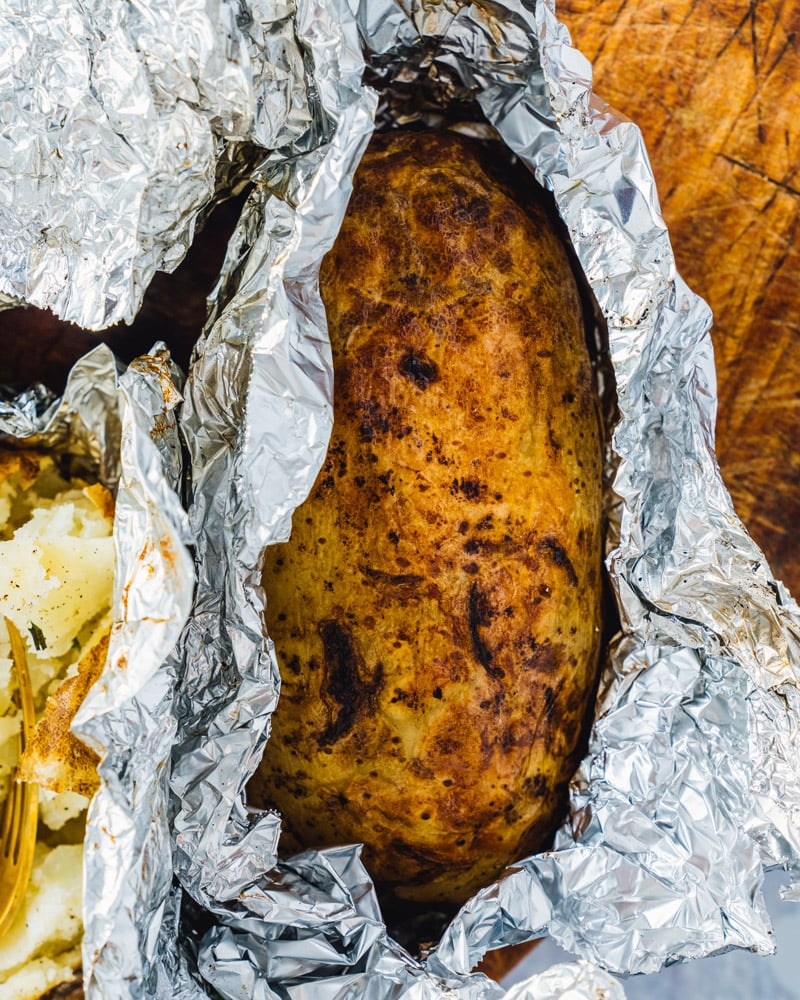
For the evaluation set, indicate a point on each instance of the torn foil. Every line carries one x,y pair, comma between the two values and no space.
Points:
120,426
675,809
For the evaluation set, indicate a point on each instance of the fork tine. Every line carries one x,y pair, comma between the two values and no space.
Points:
18,839
11,826
20,658
8,812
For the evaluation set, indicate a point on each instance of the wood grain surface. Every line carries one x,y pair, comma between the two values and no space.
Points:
715,89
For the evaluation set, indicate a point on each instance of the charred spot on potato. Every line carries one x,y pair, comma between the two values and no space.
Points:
480,615
411,281
554,551
469,488
348,681
374,421
549,702
419,368
544,657
503,261
537,785
405,580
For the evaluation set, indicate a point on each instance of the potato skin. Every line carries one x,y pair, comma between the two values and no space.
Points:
436,611
70,989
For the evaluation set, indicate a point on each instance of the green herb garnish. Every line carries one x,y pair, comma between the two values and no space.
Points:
39,641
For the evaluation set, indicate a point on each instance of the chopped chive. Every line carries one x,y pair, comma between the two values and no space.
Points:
39,641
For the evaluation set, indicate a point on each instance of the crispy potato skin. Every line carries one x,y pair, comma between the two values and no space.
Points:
55,758
436,611
71,989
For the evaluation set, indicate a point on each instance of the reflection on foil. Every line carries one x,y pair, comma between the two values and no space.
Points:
121,113
573,981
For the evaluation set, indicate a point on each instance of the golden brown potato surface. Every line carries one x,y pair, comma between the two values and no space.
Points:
436,611
55,758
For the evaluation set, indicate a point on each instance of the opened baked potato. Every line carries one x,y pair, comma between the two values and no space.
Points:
436,611
56,580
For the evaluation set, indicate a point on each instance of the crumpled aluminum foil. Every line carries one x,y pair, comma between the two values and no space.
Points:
121,114
690,784
568,981
120,426
662,858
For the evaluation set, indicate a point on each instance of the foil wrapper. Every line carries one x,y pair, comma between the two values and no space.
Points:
662,857
122,122
119,426
691,782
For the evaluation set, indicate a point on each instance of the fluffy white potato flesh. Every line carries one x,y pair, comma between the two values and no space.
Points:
48,929
56,573
56,582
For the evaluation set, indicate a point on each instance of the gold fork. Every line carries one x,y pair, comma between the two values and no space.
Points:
18,833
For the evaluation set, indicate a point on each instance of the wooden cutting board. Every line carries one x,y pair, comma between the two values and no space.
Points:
715,89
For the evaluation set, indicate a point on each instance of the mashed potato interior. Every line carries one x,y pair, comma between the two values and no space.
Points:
56,580
45,940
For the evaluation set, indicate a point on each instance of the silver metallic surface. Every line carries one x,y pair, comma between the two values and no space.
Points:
86,419
122,426
662,858
568,981
114,118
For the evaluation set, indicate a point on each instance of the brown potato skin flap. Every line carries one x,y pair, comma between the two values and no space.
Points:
55,758
71,989
436,612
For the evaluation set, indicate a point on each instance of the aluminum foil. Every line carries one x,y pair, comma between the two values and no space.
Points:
568,981
115,120
690,785
120,426
662,857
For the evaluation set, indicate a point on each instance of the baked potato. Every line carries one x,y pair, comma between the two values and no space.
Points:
56,581
436,612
